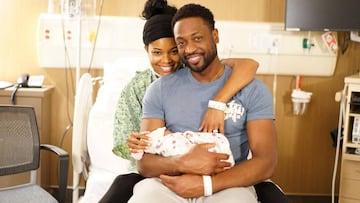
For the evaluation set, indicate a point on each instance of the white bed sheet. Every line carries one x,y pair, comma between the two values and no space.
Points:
97,184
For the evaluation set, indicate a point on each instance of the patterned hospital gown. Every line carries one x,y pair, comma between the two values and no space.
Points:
128,113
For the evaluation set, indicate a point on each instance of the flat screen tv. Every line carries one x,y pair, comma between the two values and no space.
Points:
322,15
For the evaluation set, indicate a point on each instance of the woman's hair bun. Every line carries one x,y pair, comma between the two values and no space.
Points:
156,7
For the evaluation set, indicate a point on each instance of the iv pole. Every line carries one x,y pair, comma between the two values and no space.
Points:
78,64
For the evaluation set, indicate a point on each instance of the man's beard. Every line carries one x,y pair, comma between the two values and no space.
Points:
207,59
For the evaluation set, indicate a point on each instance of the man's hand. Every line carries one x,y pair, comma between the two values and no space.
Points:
200,161
186,185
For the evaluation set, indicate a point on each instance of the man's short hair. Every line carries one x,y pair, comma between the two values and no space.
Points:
194,10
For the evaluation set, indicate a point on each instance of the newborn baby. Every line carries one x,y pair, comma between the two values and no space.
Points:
180,143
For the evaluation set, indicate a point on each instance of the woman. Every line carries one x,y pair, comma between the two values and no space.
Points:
163,55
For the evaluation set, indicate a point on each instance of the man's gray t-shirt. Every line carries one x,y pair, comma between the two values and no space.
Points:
181,101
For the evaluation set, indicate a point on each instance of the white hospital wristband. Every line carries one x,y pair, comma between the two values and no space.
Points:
217,105
207,185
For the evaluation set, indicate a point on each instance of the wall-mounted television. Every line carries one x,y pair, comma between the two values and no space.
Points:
322,15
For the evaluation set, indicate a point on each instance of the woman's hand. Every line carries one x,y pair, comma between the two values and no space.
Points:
138,142
213,120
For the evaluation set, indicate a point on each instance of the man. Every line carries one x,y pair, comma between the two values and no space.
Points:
179,100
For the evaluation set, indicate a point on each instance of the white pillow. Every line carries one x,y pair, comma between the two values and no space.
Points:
102,114
122,70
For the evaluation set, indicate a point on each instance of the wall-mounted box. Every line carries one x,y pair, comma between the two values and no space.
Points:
278,51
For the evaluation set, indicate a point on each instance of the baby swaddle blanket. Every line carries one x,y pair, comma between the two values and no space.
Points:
181,142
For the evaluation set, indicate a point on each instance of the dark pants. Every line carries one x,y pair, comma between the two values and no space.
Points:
268,192
121,189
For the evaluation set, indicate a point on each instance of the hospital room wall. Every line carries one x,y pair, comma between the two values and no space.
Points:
306,155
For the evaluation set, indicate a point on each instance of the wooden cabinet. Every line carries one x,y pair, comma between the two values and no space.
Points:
40,99
350,163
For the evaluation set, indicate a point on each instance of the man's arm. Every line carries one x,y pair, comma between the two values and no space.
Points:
263,145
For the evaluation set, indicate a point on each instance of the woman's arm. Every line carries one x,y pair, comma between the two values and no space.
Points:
243,72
